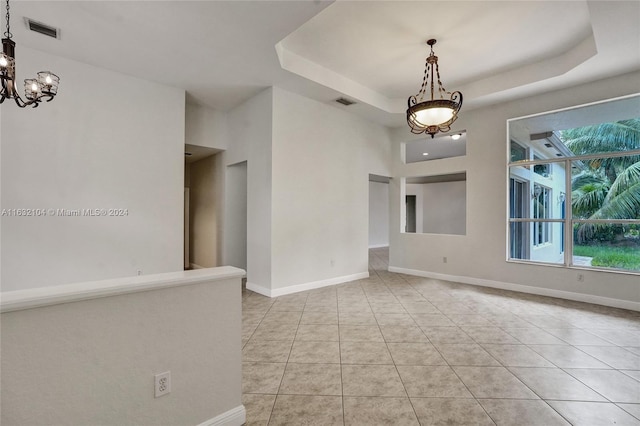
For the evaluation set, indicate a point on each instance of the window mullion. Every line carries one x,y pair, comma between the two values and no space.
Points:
568,219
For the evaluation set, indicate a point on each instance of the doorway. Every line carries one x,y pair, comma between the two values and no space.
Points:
411,213
203,188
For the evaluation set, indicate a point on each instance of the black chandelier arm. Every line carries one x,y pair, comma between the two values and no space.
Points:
23,104
457,98
42,88
11,93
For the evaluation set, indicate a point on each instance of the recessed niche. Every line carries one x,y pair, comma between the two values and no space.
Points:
442,146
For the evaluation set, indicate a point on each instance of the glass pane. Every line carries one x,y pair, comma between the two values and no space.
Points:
518,152
536,196
606,188
616,136
614,246
537,241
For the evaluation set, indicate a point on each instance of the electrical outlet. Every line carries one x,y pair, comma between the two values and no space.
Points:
162,384
444,259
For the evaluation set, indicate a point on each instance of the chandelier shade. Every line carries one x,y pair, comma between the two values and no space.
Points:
42,88
435,114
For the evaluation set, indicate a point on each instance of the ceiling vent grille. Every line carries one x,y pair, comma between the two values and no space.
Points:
41,28
345,101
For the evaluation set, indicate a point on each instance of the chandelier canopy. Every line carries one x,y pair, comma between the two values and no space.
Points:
36,90
436,114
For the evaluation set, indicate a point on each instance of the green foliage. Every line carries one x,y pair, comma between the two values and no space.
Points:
609,188
611,257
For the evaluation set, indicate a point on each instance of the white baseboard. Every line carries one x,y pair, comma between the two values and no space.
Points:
579,297
305,286
379,245
234,417
257,288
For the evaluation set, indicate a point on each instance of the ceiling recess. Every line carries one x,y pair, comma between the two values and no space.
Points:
41,28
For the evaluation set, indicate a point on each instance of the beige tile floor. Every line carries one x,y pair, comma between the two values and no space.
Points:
402,350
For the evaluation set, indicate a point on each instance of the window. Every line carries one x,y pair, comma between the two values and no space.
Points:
574,188
518,152
541,169
541,210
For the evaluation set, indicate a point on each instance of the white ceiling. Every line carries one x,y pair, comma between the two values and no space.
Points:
441,146
224,52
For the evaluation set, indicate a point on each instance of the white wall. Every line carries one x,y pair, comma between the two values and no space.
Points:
92,361
108,141
206,127
378,214
445,207
250,135
322,158
236,215
481,253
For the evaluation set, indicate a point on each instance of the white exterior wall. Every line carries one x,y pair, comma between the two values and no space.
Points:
116,147
480,255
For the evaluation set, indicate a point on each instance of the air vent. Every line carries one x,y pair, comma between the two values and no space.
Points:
41,28
548,145
345,101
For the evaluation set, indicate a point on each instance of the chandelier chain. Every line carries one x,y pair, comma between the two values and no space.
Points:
8,32
423,88
441,89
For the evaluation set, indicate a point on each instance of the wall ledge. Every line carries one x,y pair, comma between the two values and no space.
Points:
234,417
561,294
54,295
305,286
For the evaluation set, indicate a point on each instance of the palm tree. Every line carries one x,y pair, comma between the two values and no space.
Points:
618,136
609,188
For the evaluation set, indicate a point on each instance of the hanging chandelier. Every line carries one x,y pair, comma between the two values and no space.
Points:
36,90
433,115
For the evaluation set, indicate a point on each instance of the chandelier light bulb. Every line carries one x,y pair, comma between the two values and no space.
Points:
3,61
434,116
34,87
48,79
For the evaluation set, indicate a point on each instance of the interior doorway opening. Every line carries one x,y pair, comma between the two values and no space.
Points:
203,189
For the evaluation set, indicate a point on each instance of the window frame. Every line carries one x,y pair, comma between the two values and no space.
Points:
568,219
